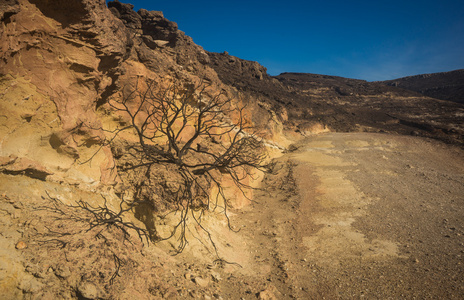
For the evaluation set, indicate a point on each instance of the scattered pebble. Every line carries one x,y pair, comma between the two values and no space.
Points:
21,245
201,282
88,290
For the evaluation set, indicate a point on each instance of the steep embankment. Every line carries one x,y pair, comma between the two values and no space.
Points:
445,85
59,71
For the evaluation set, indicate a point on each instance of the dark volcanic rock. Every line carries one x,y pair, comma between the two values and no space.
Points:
155,25
444,86
234,70
152,24
370,106
126,13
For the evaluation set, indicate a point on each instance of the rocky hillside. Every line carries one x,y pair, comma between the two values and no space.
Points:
66,177
62,70
59,70
314,103
444,85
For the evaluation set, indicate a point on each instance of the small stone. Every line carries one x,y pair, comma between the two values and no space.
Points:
171,293
87,290
266,295
201,282
161,43
63,272
215,276
37,271
29,284
21,245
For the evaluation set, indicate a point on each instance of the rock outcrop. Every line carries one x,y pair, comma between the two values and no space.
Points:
60,66
59,63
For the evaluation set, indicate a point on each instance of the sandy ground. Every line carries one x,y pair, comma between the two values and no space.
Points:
345,216
359,215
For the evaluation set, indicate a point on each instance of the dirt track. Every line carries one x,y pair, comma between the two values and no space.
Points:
357,215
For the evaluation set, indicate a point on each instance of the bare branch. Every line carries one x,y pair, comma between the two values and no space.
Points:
200,137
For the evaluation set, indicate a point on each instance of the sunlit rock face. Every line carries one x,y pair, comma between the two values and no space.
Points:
63,62
58,62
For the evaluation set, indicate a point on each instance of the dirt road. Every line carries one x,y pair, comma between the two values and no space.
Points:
353,215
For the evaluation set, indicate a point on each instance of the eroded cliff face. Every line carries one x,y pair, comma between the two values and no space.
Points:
56,67
61,65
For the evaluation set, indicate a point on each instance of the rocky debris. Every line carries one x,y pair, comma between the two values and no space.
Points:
155,25
201,282
234,70
63,260
30,285
63,271
267,294
125,12
161,47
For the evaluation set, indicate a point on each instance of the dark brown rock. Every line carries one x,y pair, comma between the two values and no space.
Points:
8,8
126,13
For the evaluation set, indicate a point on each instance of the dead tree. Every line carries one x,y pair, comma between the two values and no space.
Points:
203,138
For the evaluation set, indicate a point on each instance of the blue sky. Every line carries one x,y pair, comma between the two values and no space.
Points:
371,40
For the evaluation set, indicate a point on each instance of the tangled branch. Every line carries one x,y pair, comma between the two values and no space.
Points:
199,137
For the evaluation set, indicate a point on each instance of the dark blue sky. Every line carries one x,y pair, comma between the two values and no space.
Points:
371,40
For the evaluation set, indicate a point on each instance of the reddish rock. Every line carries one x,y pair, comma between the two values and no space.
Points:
22,165
21,245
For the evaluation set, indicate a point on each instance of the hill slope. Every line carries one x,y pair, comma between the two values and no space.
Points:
311,102
443,85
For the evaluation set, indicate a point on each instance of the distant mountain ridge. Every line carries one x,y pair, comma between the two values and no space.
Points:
444,85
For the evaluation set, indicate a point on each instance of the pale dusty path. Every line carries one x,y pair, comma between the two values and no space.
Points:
353,215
